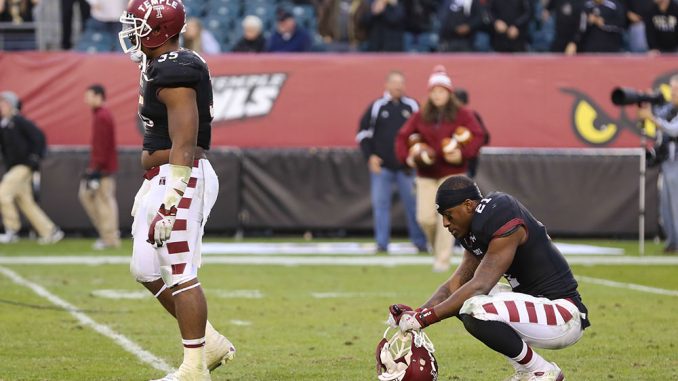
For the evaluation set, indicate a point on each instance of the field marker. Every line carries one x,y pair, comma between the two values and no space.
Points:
241,323
121,294
126,344
236,294
629,286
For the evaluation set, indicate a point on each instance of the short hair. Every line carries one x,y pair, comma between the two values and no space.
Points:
98,89
253,21
457,182
461,94
395,72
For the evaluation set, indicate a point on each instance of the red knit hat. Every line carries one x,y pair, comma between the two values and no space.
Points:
440,78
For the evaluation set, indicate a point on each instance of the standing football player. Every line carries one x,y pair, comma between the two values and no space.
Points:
541,307
180,187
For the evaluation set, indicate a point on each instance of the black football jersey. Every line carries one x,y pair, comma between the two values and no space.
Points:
538,268
181,68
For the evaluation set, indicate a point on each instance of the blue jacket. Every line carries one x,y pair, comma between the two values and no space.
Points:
299,42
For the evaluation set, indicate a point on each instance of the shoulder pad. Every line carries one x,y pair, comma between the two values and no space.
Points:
177,69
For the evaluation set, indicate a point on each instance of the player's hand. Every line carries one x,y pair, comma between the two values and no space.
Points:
513,32
416,320
395,311
161,226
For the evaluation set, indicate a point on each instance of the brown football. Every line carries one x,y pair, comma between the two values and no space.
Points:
414,139
423,155
462,135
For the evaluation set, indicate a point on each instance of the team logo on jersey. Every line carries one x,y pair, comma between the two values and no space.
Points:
595,127
245,96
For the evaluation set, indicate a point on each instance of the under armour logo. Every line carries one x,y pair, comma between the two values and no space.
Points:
472,237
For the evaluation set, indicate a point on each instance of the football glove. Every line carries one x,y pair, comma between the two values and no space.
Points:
416,320
395,311
161,226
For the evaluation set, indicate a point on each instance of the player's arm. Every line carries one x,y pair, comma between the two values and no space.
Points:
463,274
494,264
182,115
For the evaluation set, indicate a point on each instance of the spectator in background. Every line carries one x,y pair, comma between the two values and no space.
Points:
357,29
436,122
418,18
569,16
17,11
288,36
105,18
637,13
97,188
460,19
67,20
510,19
604,28
665,117
328,13
662,27
385,26
376,135
23,146
199,39
252,40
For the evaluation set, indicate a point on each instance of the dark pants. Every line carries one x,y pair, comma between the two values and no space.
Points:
67,20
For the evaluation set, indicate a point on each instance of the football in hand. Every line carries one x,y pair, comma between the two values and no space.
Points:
422,154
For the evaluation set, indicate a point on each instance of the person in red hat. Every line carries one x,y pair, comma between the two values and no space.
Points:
454,135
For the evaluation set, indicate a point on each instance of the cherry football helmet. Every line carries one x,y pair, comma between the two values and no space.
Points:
150,23
406,357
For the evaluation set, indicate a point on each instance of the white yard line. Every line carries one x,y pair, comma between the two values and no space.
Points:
385,261
126,344
628,286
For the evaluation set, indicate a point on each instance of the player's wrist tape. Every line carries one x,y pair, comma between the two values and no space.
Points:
176,184
427,316
449,198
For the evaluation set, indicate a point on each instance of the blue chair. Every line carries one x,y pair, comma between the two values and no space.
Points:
195,8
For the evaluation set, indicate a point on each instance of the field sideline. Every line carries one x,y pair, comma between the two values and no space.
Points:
92,322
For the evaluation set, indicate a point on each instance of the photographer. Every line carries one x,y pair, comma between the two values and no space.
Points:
666,118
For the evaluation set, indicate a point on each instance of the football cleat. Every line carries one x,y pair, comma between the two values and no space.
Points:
185,373
218,352
554,374
519,376
406,357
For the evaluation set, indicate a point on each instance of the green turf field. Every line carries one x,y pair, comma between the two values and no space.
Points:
308,322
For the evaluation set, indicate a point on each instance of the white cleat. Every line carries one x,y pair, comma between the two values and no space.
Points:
554,374
185,373
218,352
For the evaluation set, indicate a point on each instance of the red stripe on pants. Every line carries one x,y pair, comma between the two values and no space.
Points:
179,225
531,312
550,314
177,247
512,310
192,182
185,203
489,308
178,268
564,313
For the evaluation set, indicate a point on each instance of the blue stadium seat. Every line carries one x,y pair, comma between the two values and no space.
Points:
195,8
220,27
231,10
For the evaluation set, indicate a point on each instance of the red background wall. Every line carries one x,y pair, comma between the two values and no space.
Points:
323,96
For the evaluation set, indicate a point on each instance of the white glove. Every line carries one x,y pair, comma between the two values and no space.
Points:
409,321
161,226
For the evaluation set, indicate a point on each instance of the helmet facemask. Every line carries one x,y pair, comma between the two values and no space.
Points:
133,30
395,353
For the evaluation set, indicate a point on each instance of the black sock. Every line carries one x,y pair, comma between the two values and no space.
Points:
497,335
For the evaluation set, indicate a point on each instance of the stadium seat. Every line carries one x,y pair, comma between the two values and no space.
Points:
220,27
195,8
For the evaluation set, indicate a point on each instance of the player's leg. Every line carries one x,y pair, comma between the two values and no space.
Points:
510,323
381,185
408,197
9,188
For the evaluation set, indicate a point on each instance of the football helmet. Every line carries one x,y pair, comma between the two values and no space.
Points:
150,23
406,357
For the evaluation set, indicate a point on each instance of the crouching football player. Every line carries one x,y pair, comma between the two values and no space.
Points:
541,307
180,186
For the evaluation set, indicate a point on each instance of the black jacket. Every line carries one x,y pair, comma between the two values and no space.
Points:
609,37
661,28
257,45
380,125
455,13
569,17
21,142
513,12
385,30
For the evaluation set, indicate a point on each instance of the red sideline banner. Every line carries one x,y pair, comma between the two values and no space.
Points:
317,100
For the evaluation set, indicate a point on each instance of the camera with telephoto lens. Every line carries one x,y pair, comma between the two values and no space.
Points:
622,96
